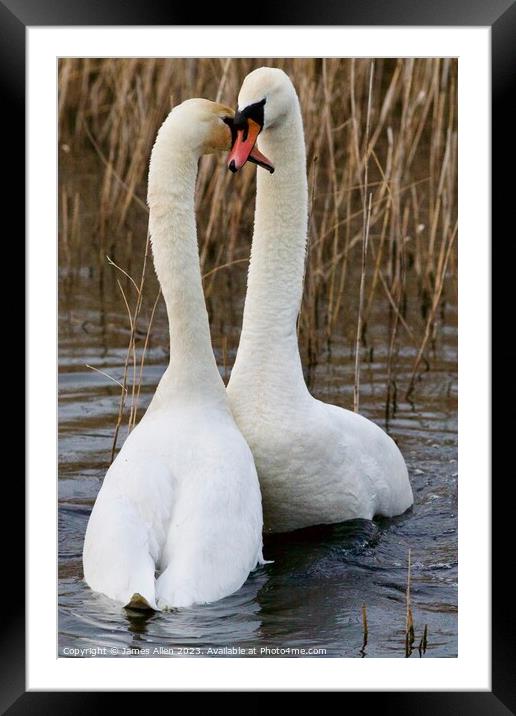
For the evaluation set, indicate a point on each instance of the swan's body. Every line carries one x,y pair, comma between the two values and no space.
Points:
317,463
182,498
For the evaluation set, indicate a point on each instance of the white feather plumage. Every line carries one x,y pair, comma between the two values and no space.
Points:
317,463
178,519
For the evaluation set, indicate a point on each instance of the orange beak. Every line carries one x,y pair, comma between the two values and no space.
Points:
244,149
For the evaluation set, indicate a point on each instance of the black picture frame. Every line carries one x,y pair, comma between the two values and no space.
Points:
500,16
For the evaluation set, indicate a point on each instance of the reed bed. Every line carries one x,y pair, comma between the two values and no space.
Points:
381,139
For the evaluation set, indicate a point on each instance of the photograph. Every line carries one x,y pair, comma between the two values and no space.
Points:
257,357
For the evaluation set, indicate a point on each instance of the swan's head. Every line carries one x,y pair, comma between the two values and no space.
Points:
203,126
266,97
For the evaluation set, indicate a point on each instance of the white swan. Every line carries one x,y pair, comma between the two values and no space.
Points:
182,497
317,463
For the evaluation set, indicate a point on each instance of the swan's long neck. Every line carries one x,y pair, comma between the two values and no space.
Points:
193,370
276,272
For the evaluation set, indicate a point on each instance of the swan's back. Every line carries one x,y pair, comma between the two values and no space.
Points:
181,500
319,463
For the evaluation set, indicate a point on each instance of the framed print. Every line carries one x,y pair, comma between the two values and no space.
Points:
273,364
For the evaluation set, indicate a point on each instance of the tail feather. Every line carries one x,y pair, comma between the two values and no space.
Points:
139,603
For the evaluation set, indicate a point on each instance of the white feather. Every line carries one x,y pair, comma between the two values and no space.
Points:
178,519
317,463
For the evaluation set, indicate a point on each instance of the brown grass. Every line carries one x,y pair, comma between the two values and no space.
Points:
379,134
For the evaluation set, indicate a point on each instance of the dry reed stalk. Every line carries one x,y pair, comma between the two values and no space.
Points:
409,621
65,237
131,352
377,258
330,138
365,630
365,240
97,370
69,236
423,644
142,360
132,415
124,390
443,263
356,386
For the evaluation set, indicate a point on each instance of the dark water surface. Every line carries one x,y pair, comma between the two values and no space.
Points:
312,595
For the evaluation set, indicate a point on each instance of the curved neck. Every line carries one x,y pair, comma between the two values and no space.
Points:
276,271
192,371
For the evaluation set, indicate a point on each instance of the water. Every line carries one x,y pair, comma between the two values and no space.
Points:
311,596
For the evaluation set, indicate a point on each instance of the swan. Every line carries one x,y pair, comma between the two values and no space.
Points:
182,498
317,463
